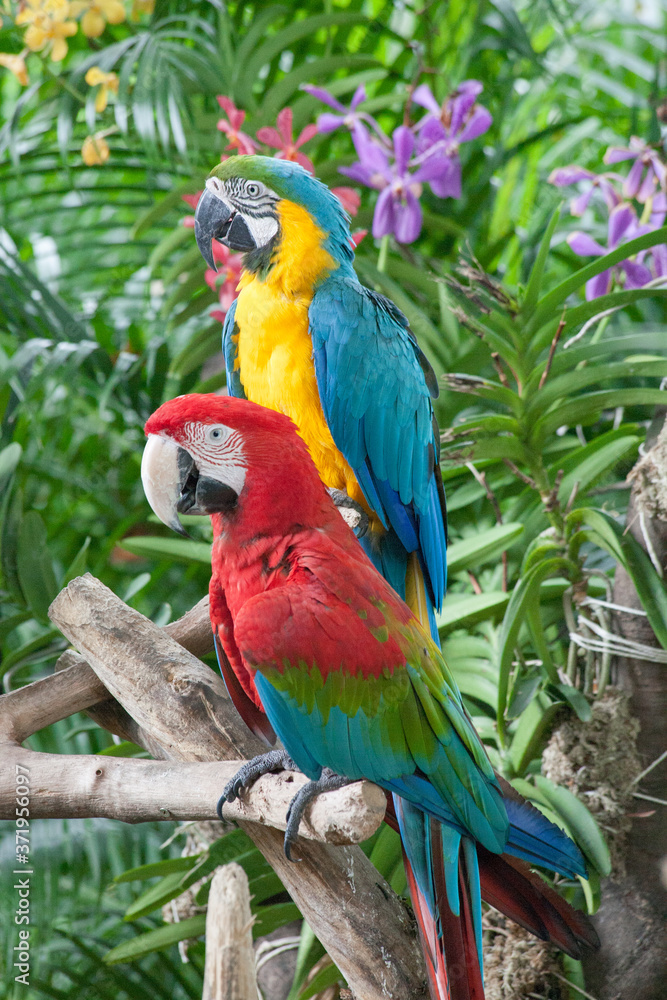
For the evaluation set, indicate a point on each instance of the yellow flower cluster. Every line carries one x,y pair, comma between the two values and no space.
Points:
49,23
48,26
96,15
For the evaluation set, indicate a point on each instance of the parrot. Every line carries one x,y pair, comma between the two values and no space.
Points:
317,648
305,337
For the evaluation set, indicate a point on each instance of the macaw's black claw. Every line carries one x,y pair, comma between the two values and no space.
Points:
275,760
327,782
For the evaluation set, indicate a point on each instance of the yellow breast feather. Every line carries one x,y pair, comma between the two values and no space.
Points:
275,350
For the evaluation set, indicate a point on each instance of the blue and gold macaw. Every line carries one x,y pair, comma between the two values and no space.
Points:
306,338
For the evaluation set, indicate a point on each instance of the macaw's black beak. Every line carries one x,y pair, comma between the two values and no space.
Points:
214,220
173,485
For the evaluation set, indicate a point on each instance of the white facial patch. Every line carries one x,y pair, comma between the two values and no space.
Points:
218,452
262,229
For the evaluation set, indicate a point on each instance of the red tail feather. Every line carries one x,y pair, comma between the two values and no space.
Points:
510,886
458,977
436,971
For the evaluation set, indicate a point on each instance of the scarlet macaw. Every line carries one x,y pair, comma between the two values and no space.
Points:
306,338
310,633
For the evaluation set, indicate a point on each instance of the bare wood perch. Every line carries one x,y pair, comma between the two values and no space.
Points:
139,791
177,704
229,973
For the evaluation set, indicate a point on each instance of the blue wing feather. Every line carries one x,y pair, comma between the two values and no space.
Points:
375,387
230,334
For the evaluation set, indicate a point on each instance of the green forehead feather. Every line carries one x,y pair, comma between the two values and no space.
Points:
254,168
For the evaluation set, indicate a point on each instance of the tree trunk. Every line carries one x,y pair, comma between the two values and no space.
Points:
632,919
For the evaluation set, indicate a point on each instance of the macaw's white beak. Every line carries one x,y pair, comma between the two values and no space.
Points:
169,477
173,484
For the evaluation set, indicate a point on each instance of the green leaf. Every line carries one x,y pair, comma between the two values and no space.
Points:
284,39
604,531
585,830
586,465
12,512
8,624
577,700
175,239
481,548
264,886
173,199
34,650
498,448
323,69
124,749
78,565
567,360
307,953
9,459
169,887
532,732
525,593
523,692
537,271
588,407
387,852
138,584
326,977
576,316
591,890
477,687
570,384
35,569
271,917
160,868
549,303
156,547
163,937
467,611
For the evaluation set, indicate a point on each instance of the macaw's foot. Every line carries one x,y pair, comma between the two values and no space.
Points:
327,782
352,513
275,760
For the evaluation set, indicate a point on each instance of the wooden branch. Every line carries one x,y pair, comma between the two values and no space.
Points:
370,934
193,630
631,919
175,698
229,973
181,704
138,791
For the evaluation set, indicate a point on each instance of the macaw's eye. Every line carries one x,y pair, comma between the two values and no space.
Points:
215,434
253,190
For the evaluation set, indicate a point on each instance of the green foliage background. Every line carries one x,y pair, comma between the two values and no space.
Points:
104,314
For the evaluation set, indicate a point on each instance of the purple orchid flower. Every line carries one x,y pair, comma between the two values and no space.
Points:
658,210
397,209
572,174
623,226
645,158
442,131
346,117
